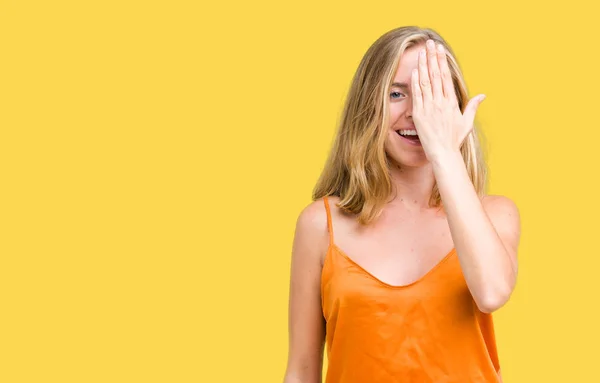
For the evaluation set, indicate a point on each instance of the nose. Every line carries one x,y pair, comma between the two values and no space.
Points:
409,107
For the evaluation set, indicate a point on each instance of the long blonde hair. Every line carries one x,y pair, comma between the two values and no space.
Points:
357,169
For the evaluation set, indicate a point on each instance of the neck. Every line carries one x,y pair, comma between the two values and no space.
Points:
412,186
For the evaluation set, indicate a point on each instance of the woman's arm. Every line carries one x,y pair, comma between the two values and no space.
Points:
306,322
485,233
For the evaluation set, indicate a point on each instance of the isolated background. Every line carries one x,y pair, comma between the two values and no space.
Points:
154,156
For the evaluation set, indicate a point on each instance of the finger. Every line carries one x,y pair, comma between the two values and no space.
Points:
471,109
434,71
448,84
416,91
424,81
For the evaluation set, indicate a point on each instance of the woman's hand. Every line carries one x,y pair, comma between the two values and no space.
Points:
438,120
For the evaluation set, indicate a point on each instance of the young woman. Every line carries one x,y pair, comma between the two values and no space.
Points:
401,259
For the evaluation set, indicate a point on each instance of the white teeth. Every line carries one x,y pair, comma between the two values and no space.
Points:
408,132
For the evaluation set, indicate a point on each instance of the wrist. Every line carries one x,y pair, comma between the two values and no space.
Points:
448,158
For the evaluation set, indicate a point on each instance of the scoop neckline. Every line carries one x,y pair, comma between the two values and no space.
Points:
333,246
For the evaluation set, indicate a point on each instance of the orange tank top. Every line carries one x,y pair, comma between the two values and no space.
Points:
427,331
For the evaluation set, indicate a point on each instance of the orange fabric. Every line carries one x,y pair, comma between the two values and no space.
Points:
428,331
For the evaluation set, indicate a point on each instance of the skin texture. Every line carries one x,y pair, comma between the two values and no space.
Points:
409,238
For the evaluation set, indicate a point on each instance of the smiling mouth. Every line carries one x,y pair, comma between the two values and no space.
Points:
410,135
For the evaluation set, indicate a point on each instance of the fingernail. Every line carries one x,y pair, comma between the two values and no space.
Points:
440,48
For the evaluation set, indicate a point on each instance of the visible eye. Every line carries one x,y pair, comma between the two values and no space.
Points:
397,95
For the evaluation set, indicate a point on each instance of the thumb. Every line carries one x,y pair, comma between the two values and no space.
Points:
471,108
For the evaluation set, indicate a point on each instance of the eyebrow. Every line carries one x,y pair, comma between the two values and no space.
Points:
400,85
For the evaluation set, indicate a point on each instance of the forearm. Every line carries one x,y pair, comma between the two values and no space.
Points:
487,267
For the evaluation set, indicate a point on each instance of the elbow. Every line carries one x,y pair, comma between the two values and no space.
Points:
295,378
302,371
492,301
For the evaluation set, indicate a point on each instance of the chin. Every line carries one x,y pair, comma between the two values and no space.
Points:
412,162
408,159
404,154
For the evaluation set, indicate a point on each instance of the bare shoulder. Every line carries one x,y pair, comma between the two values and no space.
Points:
505,216
501,207
313,217
312,236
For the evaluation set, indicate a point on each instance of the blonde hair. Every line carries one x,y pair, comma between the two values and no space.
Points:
357,169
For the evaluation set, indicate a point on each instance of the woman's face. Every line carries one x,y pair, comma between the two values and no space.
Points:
402,145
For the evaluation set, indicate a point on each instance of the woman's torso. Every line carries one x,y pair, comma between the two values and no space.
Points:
396,303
